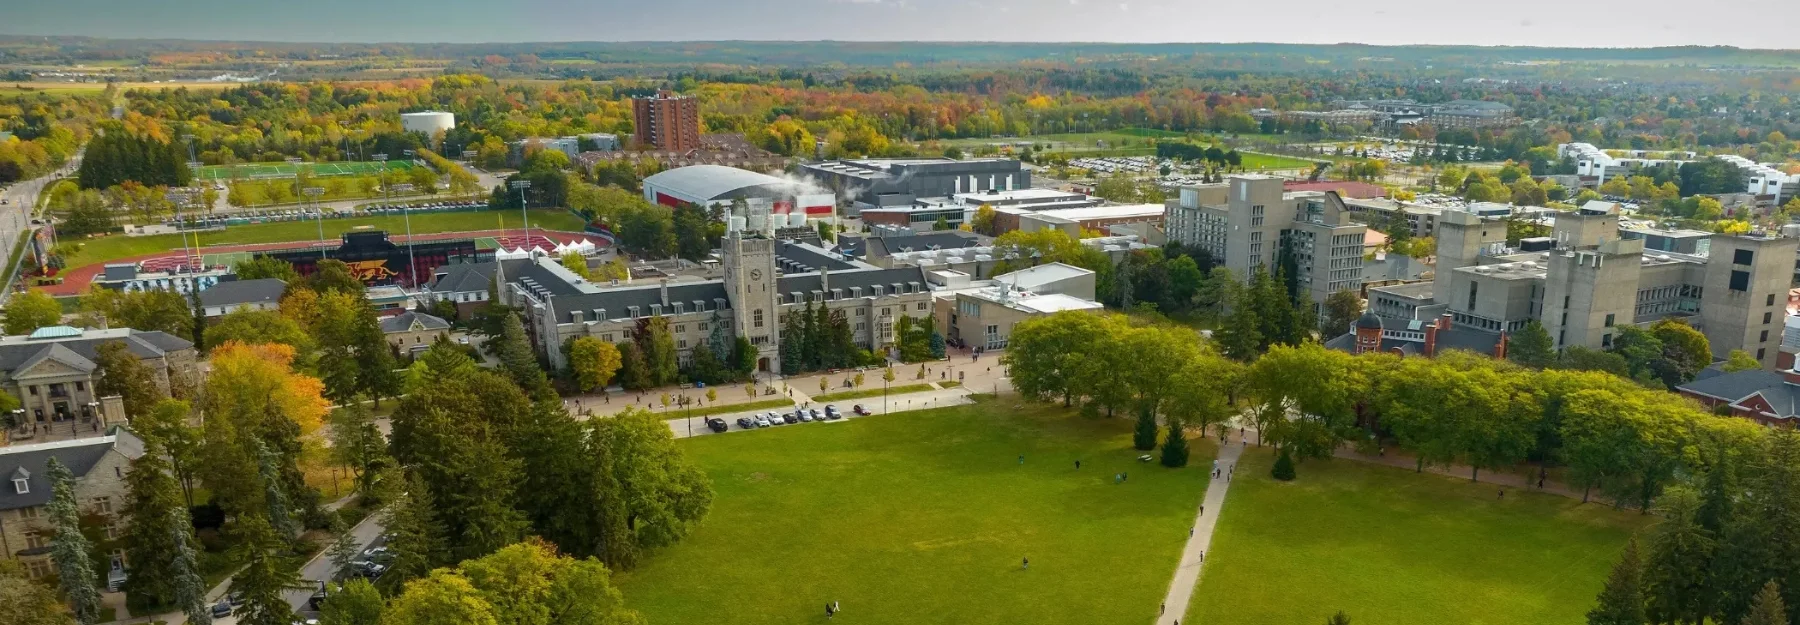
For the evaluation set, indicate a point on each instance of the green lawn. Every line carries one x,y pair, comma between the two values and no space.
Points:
923,517
1389,546
873,392
120,246
288,170
1255,161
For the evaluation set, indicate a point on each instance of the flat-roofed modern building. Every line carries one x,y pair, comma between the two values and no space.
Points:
876,183
1246,221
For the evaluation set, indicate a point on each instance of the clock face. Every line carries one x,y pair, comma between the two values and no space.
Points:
755,274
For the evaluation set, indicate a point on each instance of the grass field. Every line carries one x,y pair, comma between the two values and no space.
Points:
11,88
873,392
119,246
1255,161
1389,546
288,170
923,517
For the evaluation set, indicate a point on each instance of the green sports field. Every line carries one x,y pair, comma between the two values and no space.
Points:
1390,546
115,247
924,517
250,171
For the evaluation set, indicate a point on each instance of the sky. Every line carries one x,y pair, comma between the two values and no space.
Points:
1562,23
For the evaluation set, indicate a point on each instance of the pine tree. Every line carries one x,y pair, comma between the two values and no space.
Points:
1767,608
1621,601
793,346
184,569
265,576
375,363
69,549
1531,346
416,537
1676,567
157,517
1338,619
516,356
280,516
1144,437
1284,467
1175,449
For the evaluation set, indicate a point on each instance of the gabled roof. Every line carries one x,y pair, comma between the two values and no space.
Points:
405,321
617,302
1734,386
58,353
15,351
241,292
80,455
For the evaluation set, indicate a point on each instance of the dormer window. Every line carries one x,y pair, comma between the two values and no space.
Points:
21,486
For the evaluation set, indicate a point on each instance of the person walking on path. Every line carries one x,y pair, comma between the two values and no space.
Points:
1077,465
1021,458
1025,565
828,612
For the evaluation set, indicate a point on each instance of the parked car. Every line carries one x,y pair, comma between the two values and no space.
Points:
858,409
318,597
802,415
831,412
762,421
221,609
790,419
716,424
816,415
745,423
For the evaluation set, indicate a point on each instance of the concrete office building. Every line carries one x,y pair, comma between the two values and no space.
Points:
1245,221
1594,281
765,280
666,121
877,183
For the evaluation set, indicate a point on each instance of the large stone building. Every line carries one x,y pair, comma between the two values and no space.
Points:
764,280
99,465
876,183
1247,220
52,371
1593,281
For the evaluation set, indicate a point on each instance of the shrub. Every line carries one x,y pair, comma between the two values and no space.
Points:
1284,468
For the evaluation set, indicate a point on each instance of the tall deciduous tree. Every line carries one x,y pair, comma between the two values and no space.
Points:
653,492
69,549
593,361
265,575
26,601
123,374
29,311
524,584
357,602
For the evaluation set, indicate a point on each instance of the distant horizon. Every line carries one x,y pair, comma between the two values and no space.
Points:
895,41
1748,24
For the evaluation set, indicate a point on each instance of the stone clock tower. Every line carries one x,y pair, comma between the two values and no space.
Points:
750,283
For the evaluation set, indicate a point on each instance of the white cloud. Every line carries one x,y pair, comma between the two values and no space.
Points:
1124,7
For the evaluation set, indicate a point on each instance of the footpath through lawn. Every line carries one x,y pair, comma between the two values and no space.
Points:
1389,546
924,517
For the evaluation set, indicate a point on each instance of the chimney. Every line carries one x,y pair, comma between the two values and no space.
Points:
1431,340
1791,376
665,291
1500,348
1444,321
825,278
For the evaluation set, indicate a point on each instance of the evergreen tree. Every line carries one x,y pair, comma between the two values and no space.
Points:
1175,449
703,368
516,356
375,363
157,518
265,575
1284,467
719,340
415,535
1622,599
658,345
1239,337
69,549
938,348
793,345
357,602
184,569
1675,570
1144,437
281,517
842,341
1531,346
1767,608
1338,619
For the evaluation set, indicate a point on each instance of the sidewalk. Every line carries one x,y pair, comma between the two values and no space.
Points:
981,375
1193,556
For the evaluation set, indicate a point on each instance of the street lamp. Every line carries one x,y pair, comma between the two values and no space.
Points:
193,161
406,211
524,218
314,193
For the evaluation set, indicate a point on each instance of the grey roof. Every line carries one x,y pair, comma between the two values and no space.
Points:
1466,339
60,354
471,277
403,322
617,302
925,241
808,282
809,257
1369,320
708,182
18,351
80,455
239,292
1735,386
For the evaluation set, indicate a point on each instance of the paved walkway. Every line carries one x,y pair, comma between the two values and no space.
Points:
1187,572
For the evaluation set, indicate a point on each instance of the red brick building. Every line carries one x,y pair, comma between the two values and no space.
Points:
667,121
1767,397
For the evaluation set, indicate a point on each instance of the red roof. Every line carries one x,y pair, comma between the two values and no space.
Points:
1356,190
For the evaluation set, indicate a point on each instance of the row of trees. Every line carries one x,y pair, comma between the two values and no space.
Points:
1668,353
117,155
819,338
1612,435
